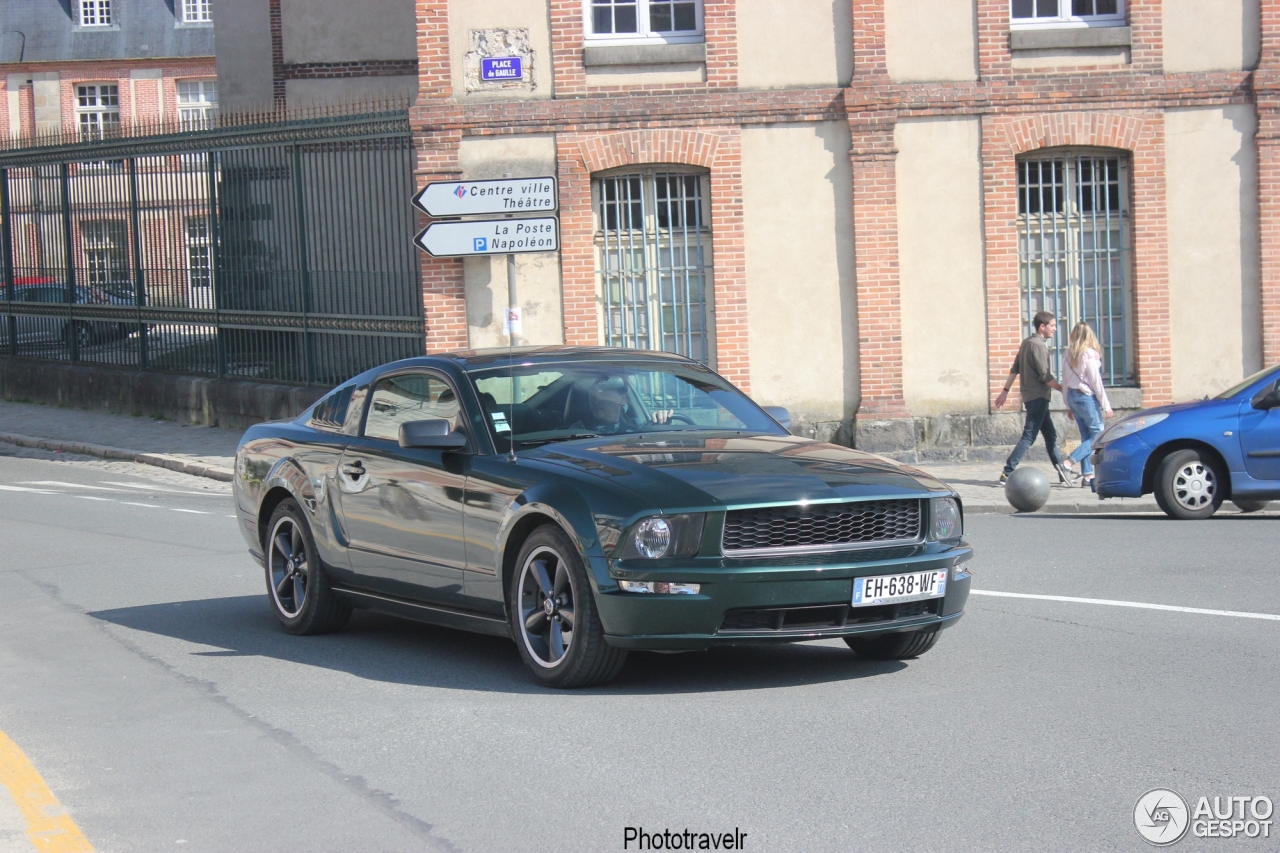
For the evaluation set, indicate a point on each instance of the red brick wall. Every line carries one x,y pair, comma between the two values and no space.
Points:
1267,89
444,298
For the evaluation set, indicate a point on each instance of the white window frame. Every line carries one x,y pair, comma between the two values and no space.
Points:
208,108
1065,19
96,109
96,13
643,34
197,11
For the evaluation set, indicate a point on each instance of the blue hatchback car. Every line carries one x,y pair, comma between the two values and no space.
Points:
1194,456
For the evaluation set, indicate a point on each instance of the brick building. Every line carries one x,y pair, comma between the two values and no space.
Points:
849,208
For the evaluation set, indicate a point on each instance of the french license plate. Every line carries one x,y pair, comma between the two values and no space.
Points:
891,589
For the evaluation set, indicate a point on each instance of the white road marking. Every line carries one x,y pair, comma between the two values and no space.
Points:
36,491
192,511
1138,604
93,498
147,488
68,485
150,506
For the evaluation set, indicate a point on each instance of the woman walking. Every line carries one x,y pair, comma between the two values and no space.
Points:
1086,398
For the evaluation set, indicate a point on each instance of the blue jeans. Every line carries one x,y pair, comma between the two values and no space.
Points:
1089,419
1038,421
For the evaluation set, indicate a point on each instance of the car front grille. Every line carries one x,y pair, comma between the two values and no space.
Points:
825,527
769,620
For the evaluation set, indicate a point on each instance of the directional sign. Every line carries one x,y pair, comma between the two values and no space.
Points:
490,237
467,198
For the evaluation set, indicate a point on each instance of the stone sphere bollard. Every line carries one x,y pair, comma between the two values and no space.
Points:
1027,489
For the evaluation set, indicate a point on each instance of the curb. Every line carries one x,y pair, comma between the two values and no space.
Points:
103,451
1096,507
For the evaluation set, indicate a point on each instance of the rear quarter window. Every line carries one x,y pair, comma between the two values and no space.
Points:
331,412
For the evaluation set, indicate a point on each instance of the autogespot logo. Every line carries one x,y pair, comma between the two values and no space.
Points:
1161,817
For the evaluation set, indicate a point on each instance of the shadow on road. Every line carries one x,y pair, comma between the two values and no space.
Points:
383,648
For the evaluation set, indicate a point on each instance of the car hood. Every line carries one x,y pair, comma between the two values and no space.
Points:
709,471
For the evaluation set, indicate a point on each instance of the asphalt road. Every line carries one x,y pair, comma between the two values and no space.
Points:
143,675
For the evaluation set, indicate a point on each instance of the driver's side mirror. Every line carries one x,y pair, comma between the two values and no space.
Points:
779,414
1267,398
434,433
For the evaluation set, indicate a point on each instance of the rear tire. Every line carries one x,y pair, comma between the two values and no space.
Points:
1250,506
1188,486
901,646
553,615
297,584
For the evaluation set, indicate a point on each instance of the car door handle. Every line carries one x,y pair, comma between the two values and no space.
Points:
354,470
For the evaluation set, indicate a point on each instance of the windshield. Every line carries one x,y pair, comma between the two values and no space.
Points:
1236,389
558,402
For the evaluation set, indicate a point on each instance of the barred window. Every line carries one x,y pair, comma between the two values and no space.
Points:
97,109
197,11
1067,12
658,20
199,262
95,13
653,260
1074,250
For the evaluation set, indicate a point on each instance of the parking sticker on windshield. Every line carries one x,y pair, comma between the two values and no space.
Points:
500,422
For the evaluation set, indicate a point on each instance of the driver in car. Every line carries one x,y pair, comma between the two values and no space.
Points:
607,404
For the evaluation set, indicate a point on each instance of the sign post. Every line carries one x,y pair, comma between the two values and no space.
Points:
455,237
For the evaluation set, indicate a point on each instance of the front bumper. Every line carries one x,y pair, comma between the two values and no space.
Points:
761,602
1118,467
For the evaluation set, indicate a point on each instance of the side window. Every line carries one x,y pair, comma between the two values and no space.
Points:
409,397
355,411
331,412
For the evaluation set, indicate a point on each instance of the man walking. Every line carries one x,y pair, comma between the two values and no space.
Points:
1035,380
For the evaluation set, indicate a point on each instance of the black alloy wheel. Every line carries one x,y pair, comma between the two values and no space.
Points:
1188,486
553,615
301,596
900,646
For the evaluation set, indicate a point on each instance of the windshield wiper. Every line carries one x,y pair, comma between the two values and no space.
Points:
537,441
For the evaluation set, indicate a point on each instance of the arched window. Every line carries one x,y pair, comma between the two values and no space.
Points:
1075,249
653,259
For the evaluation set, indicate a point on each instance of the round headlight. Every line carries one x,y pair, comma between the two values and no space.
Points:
653,537
946,519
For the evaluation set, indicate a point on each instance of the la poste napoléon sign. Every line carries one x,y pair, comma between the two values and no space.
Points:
490,237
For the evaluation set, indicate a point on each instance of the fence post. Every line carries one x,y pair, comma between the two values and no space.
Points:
73,339
303,268
139,284
6,258
216,248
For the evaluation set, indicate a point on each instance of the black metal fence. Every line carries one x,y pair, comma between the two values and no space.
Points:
279,251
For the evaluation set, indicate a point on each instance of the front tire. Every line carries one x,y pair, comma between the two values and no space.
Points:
553,615
297,584
900,646
1188,486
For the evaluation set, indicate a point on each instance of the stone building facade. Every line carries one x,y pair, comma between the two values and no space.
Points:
848,207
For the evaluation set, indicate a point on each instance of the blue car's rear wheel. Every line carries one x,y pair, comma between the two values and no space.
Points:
1188,486
553,615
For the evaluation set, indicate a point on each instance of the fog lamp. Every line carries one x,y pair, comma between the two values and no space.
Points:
660,587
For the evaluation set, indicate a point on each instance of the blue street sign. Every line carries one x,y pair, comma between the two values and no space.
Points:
498,68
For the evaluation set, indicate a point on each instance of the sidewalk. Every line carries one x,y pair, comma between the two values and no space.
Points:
210,452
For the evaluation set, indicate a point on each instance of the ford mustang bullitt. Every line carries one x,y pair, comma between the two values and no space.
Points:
586,502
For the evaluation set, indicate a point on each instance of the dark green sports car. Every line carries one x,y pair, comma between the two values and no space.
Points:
585,502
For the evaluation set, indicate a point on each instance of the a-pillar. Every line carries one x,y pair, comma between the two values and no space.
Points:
1266,87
